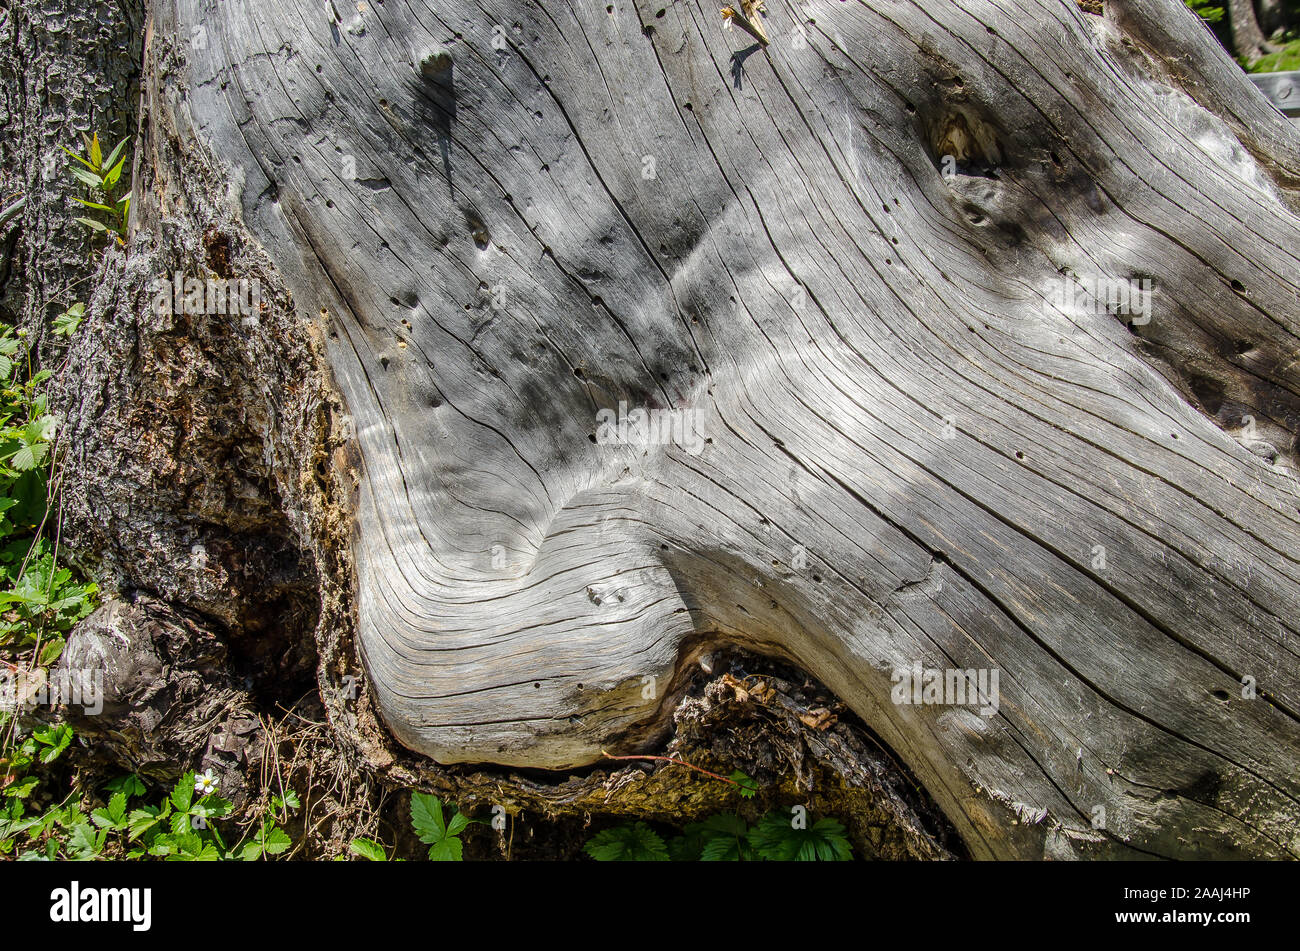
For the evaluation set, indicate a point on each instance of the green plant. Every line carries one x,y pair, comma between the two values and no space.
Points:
61,830
368,849
777,838
442,838
17,780
635,842
269,840
748,786
102,177
719,838
1206,10
39,599
66,324
726,837
441,834
1287,58
43,603
179,827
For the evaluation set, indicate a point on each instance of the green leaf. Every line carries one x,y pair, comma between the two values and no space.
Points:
55,739
271,840
86,178
449,849
723,850
368,849
276,840
85,843
114,155
1207,12
92,204
65,325
50,651
142,822
748,787
725,838
211,806
183,792
163,845
426,818
113,174
776,839
92,224
78,157
130,785
113,816
457,824
22,788
636,842
185,846
42,429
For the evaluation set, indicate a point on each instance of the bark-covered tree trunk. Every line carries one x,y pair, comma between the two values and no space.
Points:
1247,38
66,68
972,327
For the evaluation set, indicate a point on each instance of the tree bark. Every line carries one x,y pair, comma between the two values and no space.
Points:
1248,40
838,262
66,68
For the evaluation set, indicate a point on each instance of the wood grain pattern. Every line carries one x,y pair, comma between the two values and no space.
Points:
513,215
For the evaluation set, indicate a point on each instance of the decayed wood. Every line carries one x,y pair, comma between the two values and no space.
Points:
838,262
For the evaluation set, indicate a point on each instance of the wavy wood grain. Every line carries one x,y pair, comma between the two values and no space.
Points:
512,215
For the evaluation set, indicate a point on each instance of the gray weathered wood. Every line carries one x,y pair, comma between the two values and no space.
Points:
513,215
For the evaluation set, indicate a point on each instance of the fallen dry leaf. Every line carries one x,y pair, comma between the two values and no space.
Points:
818,719
736,686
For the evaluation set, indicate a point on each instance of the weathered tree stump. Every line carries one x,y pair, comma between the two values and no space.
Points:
965,335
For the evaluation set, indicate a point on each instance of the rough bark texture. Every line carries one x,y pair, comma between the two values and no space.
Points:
477,227
66,67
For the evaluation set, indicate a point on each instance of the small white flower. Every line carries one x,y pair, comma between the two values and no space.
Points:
205,783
